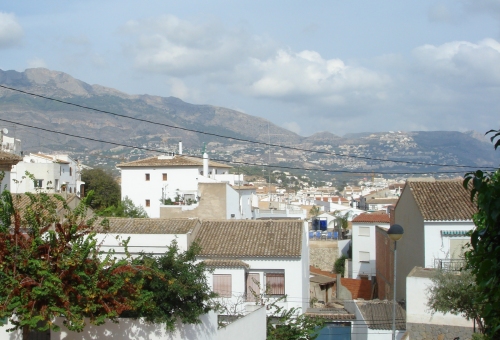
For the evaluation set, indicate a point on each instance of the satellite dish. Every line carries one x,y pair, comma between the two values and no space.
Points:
5,131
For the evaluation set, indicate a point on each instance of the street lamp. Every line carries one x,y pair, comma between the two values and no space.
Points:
395,232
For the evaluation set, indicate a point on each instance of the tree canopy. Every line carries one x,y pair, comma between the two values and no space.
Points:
455,293
125,208
53,268
483,257
107,191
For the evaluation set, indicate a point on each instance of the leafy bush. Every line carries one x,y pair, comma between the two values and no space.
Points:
339,265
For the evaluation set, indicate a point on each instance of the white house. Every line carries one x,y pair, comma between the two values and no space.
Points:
249,254
374,319
420,320
153,181
7,162
435,216
53,173
364,245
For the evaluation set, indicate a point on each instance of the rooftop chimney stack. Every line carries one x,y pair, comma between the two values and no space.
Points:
205,164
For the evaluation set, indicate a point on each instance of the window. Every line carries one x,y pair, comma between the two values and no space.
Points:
164,177
253,284
148,203
364,231
147,177
222,285
364,256
38,183
275,283
70,171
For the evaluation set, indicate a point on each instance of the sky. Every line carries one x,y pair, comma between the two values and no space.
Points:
308,66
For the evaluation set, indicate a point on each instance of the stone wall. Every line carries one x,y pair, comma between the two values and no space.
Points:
322,254
419,331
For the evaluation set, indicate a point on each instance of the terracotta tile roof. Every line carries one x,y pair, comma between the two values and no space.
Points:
378,314
226,263
317,271
7,156
442,200
330,313
251,238
372,218
119,225
21,201
177,160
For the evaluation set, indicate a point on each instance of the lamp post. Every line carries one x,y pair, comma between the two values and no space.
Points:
395,232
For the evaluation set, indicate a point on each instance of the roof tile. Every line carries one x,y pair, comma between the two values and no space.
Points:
118,225
372,218
251,238
177,160
443,200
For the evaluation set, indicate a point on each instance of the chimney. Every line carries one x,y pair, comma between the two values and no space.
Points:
205,164
180,147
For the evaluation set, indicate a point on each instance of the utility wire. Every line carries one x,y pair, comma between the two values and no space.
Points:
236,138
232,162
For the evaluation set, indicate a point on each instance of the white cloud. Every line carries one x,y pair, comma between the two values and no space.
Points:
180,48
461,63
292,126
36,62
308,76
11,31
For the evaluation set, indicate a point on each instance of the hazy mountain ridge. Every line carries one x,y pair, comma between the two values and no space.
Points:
444,147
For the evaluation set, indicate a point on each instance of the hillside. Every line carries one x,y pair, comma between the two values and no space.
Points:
443,147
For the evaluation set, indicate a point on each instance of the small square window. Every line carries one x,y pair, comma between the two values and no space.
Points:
364,256
148,203
147,177
164,177
38,183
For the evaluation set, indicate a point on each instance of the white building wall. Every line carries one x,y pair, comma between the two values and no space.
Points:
437,246
362,243
250,327
156,244
416,305
232,203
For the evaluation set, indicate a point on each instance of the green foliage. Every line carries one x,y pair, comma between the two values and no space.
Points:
339,265
51,268
126,208
107,191
483,258
455,293
177,287
315,211
286,324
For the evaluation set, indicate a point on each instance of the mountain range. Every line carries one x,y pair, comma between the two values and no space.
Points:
33,120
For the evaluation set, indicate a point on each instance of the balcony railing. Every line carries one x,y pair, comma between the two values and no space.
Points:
449,264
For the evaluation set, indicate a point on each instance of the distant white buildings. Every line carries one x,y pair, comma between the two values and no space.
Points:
52,174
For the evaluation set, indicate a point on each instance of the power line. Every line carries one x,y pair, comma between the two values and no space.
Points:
231,162
236,138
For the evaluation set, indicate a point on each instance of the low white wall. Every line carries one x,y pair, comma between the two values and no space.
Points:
417,310
251,327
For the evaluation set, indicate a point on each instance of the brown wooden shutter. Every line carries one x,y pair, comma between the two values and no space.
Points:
222,285
275,283
253,283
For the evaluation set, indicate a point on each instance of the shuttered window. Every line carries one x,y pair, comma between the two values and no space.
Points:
364,256
364,231
253,286
164,177
222,285
275,283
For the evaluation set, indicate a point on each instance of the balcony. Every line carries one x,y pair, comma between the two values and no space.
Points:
448,265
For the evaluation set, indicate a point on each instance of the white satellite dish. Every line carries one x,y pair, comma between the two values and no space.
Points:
5,131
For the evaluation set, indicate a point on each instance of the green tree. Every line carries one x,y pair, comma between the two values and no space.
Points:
107,191
315,211
339,265
455,293
177,287
483,259
126,208
51,268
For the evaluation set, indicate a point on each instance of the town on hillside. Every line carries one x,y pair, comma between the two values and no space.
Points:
327,253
